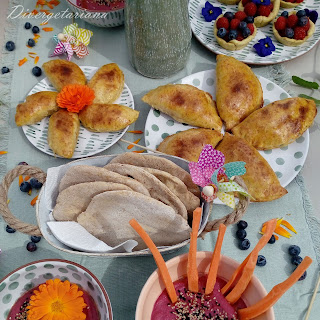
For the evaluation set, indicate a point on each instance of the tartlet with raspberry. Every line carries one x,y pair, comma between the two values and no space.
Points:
290,3
293,29
263,11
234,31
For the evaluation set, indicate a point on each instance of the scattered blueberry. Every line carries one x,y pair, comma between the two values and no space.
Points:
5,70
31,43
35,183
222,32
10,230
241,234
35,29
289,33
244,244
25,186
294,250
10,46
261,261
246,32
285,14
31,246
249,19
272,239
229,15
303,21
242,25
27,25
233,34
301,13
296,260
242,224
313,15
37,71
22,163
35,239
303,276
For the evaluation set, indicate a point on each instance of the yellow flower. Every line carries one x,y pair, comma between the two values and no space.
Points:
56,300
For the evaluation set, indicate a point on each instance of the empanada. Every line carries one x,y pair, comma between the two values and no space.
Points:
107,117
36,107
107,83
239,91
62,72
277,124
188,144
186,104
262,182
63,132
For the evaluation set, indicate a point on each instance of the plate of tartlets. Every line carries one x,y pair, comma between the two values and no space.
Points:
242,49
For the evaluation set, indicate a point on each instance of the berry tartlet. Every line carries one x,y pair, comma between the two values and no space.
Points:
229,1
293,29
290,3
234,31
263,11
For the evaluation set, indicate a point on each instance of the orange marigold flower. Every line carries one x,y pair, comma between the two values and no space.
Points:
57,300
75,97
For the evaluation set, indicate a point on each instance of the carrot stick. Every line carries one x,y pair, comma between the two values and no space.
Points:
3,152
135,131
36,59
20,180
26,178
275,294
131,145
288,225
239,271
163,270
192,271
46,29
282,232
22,61
34,200
139,151
212,275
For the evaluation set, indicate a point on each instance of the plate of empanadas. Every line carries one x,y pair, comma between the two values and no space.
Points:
205,32
60,132
262,125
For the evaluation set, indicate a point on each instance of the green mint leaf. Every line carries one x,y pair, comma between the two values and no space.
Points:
304,83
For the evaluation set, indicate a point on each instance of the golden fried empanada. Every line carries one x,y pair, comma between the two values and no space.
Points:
62,72
188,144
239,91
277,124
63,132
37,106
262,182
186,104
107,117
107,83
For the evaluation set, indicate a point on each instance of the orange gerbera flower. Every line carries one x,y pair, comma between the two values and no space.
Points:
57,300
75,97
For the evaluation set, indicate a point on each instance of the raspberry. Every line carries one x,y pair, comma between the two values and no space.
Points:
240,37
223,23
299,1
292,21
307,26
240,15
270,6
264,11
281,23
250,9
251,27
244,2
234,24
299,33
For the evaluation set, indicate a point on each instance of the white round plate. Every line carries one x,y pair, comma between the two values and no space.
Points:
89,143
286,161
203,31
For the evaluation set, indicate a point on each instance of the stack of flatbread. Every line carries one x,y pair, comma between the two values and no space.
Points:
239,101
159,194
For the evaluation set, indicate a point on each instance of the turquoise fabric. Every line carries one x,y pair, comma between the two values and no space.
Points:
124,278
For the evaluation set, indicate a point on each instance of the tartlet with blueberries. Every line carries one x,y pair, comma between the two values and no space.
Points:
234,31
294,28
290,3
263,11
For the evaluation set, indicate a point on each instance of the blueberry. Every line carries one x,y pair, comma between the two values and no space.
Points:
37,71
242,224
35,29
303,276
35,183
10,230
25,186
35,239
296,260
272,239
22,163
249,19
285,14
294,250
229,15
10,46
246,32
301,13
261,261
303,21
233,34
244,244
31,43
27,25
241,234
221,32
242,25
289,33
313,16
5,70
31,246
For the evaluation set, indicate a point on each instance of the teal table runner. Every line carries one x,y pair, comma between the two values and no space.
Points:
124,278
